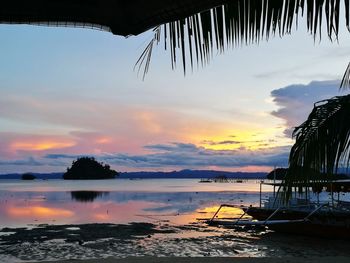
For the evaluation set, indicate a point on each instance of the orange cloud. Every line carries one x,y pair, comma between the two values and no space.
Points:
251,139
41,146
103,140
149,121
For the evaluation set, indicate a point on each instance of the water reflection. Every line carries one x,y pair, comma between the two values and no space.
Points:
169,205
87,196
117,201
79,207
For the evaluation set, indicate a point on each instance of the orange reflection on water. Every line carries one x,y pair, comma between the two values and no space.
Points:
99,216
16,212
112,212
225,212
39,211
55,207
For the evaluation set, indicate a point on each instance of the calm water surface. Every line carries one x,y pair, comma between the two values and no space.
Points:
171,204
180,201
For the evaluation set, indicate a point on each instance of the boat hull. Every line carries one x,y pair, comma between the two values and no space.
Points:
325,224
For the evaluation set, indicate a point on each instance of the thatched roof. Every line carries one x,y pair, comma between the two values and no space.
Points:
121,17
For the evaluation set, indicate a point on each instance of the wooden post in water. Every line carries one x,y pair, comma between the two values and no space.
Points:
332,194
274,182
260,194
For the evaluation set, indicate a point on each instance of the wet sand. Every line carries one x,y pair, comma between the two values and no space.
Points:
212,260
165,228
144,242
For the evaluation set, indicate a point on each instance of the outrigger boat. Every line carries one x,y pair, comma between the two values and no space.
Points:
329,218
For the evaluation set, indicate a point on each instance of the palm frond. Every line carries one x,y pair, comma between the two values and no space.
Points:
241,22
322,144
143,63
345,83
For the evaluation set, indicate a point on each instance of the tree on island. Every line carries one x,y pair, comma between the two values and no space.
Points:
281,173
278,174
28,176
87,168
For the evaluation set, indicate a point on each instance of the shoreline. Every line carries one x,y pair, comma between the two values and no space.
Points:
163,243
209,260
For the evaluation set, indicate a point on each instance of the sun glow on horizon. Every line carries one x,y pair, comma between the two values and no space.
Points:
246,139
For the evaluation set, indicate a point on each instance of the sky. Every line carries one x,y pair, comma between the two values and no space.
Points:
68,92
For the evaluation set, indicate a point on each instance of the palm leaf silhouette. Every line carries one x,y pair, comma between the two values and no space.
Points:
194,39
322,144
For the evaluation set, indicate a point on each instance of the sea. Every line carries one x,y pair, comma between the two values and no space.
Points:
24,203
59,219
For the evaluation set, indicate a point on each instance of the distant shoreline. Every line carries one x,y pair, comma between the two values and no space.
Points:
183,174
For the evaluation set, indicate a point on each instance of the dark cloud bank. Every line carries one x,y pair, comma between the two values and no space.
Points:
172,156
295,102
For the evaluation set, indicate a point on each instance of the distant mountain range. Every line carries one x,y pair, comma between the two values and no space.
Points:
183,174
192,174
37,175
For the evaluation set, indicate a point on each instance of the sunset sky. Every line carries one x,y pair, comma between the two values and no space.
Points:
72,92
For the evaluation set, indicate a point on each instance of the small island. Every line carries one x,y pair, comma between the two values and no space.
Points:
87,168
28,176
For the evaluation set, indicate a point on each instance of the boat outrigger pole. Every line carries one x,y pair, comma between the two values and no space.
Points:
268,221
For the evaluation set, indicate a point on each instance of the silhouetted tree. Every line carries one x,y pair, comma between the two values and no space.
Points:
280,173
28,176
87,168
322,144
